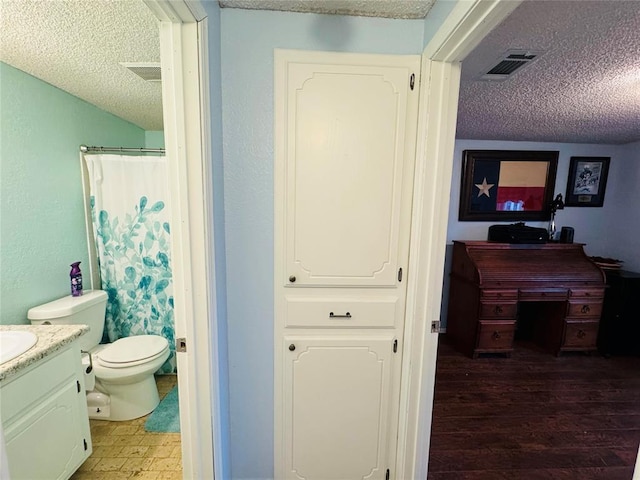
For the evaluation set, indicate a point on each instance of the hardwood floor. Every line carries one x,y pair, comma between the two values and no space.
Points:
534,416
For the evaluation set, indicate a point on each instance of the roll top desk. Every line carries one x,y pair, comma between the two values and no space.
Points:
490,283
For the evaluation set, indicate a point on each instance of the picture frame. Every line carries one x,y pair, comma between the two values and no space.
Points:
507,185
587,181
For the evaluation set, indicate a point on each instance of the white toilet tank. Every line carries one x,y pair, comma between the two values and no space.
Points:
87,309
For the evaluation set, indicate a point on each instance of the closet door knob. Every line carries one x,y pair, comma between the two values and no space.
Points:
292,278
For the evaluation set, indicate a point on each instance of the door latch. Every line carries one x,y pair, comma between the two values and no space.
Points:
181,344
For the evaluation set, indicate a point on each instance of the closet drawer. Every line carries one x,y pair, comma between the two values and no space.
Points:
314,312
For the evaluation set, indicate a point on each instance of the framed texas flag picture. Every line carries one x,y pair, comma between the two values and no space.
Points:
507,185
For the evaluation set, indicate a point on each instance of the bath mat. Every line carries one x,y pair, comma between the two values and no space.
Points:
166,417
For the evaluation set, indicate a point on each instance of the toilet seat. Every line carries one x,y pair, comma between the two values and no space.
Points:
132,351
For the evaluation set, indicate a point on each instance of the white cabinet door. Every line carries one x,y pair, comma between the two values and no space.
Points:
345,145
339,406
44,416
347,141
48,443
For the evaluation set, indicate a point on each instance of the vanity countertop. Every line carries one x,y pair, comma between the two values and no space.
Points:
51,338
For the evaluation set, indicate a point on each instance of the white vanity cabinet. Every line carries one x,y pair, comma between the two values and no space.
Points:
345,147
44,417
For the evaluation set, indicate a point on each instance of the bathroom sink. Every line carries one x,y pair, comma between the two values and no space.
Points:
14,343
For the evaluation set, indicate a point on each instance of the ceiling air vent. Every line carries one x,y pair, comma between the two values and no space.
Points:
147,71
511,61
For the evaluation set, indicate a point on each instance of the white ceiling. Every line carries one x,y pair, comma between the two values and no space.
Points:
77,45
365,8
584,88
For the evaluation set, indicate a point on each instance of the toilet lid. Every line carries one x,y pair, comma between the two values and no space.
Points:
133,349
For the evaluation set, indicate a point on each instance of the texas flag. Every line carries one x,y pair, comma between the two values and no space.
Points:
508,185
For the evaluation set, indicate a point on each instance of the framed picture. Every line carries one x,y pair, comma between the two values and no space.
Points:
587,181
506,185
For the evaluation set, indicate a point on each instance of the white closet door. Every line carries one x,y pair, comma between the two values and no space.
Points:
345,146
338,404
350,138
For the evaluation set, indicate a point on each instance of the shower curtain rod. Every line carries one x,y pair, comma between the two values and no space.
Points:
85,149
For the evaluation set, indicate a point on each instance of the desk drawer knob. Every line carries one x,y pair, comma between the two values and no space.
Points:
581,334
496,335
497,310
585,309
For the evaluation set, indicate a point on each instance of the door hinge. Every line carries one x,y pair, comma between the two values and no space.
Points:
435,326
400,275
181,344
78,385
86,446
395,346
412,80
386,477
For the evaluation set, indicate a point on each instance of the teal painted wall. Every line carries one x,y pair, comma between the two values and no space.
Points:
42,227
154,139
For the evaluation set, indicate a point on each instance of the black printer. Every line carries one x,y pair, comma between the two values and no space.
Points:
517,233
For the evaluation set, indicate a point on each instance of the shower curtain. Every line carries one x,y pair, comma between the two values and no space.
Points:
130,212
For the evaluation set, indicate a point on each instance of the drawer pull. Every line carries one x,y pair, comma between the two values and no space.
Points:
292,278
292,347
496,335
585,309
346,315
497,310
581,334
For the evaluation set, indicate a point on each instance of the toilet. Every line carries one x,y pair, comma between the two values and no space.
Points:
124,384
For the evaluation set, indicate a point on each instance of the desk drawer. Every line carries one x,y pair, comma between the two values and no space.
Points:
543,294
498,295
586,293
580,334
586,308
495,336
507,310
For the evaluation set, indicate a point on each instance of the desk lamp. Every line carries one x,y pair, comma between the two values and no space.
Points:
556,205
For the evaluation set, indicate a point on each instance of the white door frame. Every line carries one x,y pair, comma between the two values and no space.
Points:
185,98
464,28
188,140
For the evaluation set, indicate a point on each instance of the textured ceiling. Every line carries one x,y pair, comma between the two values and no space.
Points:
584,88
365,8
77,46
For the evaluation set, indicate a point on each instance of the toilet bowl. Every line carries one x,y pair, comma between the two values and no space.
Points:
124,372
124,384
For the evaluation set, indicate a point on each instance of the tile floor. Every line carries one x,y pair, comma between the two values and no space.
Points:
123,450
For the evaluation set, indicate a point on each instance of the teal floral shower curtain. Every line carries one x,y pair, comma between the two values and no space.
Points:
130,212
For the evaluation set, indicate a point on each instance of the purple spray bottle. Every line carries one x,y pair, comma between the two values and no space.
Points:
76,279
